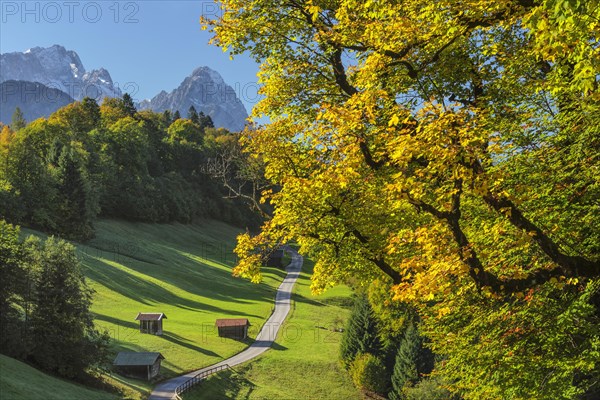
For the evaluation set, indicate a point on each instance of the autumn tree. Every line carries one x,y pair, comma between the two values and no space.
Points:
450,148
79,117
185,130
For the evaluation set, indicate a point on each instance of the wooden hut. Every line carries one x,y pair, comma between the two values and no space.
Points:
151,322
234,328
140,365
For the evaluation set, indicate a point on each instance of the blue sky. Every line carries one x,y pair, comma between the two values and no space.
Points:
146,45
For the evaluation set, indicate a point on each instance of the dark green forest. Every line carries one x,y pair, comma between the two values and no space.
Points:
88,161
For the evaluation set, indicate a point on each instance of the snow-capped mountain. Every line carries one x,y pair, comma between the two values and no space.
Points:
61,69
58,68
206,90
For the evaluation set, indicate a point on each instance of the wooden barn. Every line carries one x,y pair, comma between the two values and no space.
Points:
234,328
151,322
140,365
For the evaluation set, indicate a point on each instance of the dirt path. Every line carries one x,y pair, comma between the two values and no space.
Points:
264,340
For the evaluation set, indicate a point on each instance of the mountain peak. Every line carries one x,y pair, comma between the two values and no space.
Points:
38,49
206,90
59,68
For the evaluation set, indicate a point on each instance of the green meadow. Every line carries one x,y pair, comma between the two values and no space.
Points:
303,363
19,381
183,271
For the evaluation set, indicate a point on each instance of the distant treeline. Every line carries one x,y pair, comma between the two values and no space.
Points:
85,161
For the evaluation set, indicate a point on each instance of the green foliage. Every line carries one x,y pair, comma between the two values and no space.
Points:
77,206
65,341
128,106
205,121
12,285
413,360
167,118
185,130
17,120
79,117
87,161
545,346
432,388
361,335
193,115
367,373
450,149
30,179
45,306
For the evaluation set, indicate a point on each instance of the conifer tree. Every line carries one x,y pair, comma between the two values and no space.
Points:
91,111
176,115
11,277
205,121
65,340
76,209
193,115
361,335
412,360
18,120
128,105
167,117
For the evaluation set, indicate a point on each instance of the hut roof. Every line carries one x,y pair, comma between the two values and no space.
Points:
132,358
150,316
232,322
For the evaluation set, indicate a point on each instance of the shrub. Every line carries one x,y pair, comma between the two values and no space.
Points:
368,373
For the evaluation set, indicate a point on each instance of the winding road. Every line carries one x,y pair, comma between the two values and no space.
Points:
264,340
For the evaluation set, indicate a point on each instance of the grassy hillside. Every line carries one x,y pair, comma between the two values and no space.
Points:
19,381
183,271
303,363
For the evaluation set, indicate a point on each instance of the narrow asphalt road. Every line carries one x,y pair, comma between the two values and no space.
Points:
264,340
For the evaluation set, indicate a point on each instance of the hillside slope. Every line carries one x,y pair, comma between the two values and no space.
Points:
183,271
19,381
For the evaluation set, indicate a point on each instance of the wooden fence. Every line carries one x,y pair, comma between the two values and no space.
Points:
193,381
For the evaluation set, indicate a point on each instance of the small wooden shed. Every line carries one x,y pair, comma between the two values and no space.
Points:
235,328
141,365
151,322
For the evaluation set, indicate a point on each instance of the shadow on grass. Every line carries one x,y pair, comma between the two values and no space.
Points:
133,329
181,341
227,384
149,293
190,271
